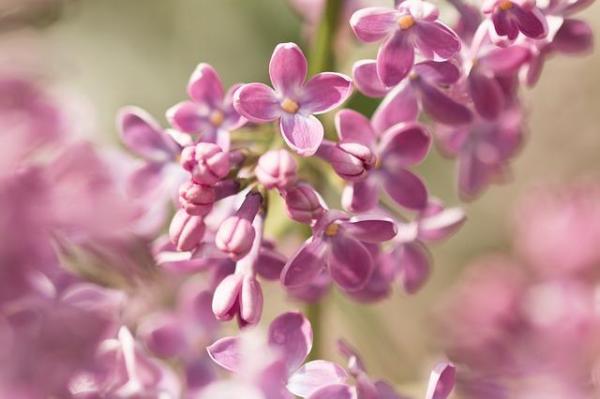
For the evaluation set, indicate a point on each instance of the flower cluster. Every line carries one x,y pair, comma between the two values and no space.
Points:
96,302
537,335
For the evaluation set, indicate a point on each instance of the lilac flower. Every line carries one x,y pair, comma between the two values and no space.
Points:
483,149
206,162
397,146
210,111
276,169
511,17
337,244
293,101
290,335
426,89
413,24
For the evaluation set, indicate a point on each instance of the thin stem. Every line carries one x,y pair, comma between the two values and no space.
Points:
314,314
322,52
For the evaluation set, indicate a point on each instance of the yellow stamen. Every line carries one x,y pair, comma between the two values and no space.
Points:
332,230
217,118
289,106
406,22
506,5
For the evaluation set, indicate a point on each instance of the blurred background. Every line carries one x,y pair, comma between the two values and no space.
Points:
110,53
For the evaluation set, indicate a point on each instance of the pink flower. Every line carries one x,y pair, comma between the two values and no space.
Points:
293,101
210,112
511,17
413,24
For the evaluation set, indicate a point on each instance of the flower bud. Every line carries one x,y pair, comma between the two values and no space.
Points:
196,199
236,234
351,161
186,231
238,294
276,169
302,203
206,162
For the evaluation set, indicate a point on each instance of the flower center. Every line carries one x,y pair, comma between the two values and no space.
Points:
406,22
505,5
289,106
217,118
332,230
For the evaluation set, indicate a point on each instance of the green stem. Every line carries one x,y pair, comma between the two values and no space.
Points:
322,58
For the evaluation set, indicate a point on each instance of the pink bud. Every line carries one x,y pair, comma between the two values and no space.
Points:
236,234
302,203
351,161
206,162
238,294
235,237
276,169
186,231
196,199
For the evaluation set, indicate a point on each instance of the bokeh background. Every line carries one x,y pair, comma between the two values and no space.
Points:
103,54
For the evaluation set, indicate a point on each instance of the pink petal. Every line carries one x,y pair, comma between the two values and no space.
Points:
226,353
436,39
291,332
287,68
441,224
353,126
371,230
574,37
405,188
361,196
404,145
441,107
395,59
400,105
257,102
373,23
305,265
188,117
144,136
532,23
205,86
325,91
438,72
269,263
367,80
414,264
350,263
486,93
336,391
441,381
504,61
303,133
314,375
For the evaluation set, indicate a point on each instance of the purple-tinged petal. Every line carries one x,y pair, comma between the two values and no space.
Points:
144,136
324,92
352,126
395,59
303,133
414,264
350,263
373,23
365,389
292,334
361,196
504,61
400,105
163,335
504,25
441,224
314,375
405,188
366,79
435,38
306,264
226,353
440,73
270,263
335,391
371,230
287,68
188,117
386,391
257,102
441,381
205,86
487,94
403,145
532,23
574,37
145,180
440,107
473,176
